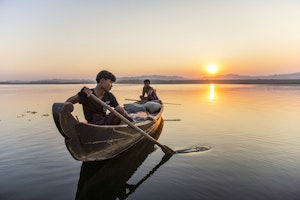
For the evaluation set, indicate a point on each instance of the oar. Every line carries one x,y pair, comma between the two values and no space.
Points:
163,102
165,149
171,120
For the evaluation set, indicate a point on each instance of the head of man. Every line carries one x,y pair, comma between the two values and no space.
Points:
147,82
105,79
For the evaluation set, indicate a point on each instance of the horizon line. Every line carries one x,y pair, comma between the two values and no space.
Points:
169,77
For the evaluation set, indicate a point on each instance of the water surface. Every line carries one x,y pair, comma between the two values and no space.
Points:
253,131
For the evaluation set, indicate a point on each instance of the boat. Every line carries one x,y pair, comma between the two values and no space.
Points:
89,142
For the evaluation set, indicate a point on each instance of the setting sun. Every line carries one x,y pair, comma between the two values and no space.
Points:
212,68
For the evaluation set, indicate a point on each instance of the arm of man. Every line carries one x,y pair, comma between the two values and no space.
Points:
74,99
84,92
144,92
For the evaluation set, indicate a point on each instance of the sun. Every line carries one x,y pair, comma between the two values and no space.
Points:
212,68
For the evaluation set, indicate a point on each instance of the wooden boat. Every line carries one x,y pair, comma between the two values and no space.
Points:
89,142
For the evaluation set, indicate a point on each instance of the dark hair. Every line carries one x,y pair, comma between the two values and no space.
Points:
147,81
106,75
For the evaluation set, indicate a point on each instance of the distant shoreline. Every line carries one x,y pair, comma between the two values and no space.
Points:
240,81
292,78
256,81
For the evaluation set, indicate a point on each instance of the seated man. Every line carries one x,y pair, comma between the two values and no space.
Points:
94,113
149,94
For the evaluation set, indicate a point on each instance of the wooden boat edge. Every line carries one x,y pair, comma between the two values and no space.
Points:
66,124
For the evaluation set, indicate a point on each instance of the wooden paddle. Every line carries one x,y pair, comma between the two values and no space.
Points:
165,149
163,102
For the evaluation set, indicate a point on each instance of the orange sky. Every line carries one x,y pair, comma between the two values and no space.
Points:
76,39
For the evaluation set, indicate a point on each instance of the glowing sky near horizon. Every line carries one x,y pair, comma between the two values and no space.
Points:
75,39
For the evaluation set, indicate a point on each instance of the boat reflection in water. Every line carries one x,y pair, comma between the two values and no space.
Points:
108,179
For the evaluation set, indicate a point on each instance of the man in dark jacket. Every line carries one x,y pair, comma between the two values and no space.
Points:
95,113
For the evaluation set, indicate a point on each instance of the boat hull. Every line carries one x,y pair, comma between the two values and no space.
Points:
88,142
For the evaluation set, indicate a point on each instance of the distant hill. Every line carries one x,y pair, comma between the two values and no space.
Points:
152,78
133,79
293,78
219,77
273,77
50,81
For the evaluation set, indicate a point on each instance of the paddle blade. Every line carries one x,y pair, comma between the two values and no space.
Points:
167,150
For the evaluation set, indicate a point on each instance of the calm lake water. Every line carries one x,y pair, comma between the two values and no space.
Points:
253,132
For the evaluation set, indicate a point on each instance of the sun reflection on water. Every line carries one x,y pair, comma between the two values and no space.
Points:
212,92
